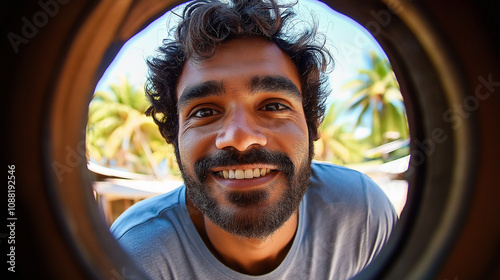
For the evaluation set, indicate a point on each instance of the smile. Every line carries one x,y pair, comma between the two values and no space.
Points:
240,174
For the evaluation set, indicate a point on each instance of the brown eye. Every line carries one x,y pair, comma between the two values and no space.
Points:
205,112
275,106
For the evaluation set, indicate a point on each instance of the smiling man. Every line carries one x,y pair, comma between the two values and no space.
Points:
241,103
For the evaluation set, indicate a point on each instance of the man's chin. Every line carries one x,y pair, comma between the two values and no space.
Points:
253,222
247,214
246,200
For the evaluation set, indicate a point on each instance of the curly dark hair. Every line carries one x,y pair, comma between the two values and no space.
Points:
204,25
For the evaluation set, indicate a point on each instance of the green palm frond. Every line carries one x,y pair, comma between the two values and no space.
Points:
376,95
119,131
336,144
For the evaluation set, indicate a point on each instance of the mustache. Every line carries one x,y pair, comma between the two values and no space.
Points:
233,157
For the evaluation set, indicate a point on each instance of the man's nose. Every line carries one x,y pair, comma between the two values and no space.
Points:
240,131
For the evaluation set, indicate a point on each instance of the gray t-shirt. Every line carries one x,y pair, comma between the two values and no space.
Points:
344,219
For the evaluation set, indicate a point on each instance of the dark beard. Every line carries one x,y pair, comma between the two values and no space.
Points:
252,220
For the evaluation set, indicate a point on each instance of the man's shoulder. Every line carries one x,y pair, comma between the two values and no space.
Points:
147,211
345,207
344,186
339,178
321,169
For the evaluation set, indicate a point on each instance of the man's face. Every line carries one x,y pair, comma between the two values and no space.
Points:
243,143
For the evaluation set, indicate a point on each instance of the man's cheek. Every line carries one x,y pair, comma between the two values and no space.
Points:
299,150
189,145
187,158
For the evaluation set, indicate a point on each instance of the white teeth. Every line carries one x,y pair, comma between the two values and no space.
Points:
256,173
244,174
239,174
263,172
248,174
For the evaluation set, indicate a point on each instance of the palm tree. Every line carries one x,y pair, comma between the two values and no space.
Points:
337,144
119,134
377,97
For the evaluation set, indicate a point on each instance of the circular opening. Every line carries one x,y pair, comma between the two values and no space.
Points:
427,75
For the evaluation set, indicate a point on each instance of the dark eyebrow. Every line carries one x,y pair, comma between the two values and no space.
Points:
200,90
275,84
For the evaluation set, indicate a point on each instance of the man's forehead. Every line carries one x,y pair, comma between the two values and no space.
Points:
237,60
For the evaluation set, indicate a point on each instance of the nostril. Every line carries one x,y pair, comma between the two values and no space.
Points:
241,138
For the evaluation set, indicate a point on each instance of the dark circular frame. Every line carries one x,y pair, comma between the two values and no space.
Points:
446,65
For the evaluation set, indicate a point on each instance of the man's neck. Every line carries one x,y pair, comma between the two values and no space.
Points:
245,255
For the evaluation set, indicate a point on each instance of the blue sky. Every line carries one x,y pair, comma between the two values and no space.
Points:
348,42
